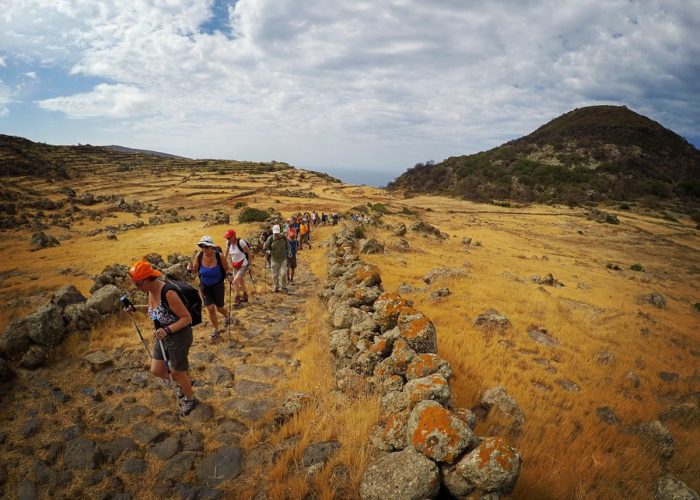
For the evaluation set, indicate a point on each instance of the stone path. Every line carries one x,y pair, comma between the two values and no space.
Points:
67,439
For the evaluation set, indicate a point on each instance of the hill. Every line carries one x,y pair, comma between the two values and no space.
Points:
122,149
586,155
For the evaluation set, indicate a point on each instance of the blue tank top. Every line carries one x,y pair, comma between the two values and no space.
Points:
209,276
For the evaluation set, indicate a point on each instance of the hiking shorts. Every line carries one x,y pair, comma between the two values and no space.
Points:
177,347
240,272
214,294
292,262
304,238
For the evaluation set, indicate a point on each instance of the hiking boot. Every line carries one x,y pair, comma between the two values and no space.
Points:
228,321
214,336
244,298
187,406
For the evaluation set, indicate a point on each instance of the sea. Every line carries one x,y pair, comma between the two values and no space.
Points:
371,177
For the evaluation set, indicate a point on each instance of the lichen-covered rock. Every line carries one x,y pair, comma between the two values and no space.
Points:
498,397
404,475
417,330
443,273
426,364
35,357
397,363
670,488
45,325
394,402
66,295
453,482
364,362
340,344
363,296
493,466
491,320
381,347
80,317
105,300
367,275
293,404
387,309
371,246
392,435
437,433
658,437
433,387
347,380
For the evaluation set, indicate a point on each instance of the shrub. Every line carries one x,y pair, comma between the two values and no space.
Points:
637,267
239,204
358,233
380,207
250,214
612,266
408,211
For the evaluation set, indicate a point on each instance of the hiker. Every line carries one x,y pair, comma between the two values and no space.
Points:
213,270
263,237
172,321
304,234
240,255
292,259
278,248
314,218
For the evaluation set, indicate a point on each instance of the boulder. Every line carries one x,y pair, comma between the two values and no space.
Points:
35,357
340,344
433,387
670,488
405,474
443,273
491,319
15,341
426,364
371,246
400,229
177,272
492,467
105,300
45,325
437,433
498,397
80,317
429,229
658,437
41,240
66,295
224,464
392,435
417,330
81,453
98,360
387,309
655,299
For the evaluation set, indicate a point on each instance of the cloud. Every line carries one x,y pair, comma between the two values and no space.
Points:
2,62
112,101
390,81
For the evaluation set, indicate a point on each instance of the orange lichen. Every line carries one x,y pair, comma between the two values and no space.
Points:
423,365
381,346
415,328
369,273
499,450
432,420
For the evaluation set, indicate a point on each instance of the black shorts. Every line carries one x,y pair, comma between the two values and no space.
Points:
177,345
292,262
214,294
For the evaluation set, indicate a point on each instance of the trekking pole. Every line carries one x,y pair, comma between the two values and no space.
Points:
166,359
124,299
230,285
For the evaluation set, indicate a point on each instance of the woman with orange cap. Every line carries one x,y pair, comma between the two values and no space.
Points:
172,321
239,254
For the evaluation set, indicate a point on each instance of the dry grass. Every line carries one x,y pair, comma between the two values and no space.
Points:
568,452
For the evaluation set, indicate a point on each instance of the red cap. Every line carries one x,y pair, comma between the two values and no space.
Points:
230,234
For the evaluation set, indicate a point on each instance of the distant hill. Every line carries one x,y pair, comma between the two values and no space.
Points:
122,149
589,154
22,157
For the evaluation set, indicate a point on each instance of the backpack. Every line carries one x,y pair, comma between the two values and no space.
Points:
189,296
217,252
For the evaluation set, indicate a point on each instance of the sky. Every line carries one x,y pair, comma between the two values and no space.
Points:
369,87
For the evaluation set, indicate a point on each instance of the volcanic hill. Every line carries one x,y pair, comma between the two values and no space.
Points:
586,155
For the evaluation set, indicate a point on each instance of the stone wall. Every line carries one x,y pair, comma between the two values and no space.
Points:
381,343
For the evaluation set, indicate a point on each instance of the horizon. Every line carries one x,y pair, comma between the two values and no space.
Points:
348,85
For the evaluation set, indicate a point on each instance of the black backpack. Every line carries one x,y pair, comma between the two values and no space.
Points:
189,296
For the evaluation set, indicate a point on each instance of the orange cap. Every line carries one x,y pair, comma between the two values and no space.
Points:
141,270
230,233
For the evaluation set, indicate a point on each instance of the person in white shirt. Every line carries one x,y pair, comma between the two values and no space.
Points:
239,254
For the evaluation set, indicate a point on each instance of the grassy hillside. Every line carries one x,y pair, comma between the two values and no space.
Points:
618,350
587,155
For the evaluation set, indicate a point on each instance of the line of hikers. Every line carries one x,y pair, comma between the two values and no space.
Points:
175,307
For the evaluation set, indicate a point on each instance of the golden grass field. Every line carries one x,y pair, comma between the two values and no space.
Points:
567,451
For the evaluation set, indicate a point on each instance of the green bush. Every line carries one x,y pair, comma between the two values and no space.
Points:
380,207
408,211
250,214
637,267
358,233
239,204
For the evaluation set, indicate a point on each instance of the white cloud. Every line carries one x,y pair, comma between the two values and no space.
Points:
31,74
391,81
113,101
2,62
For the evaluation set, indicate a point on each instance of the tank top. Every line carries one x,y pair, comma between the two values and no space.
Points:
209,276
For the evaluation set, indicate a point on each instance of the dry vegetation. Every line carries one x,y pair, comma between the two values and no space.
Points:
567,450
